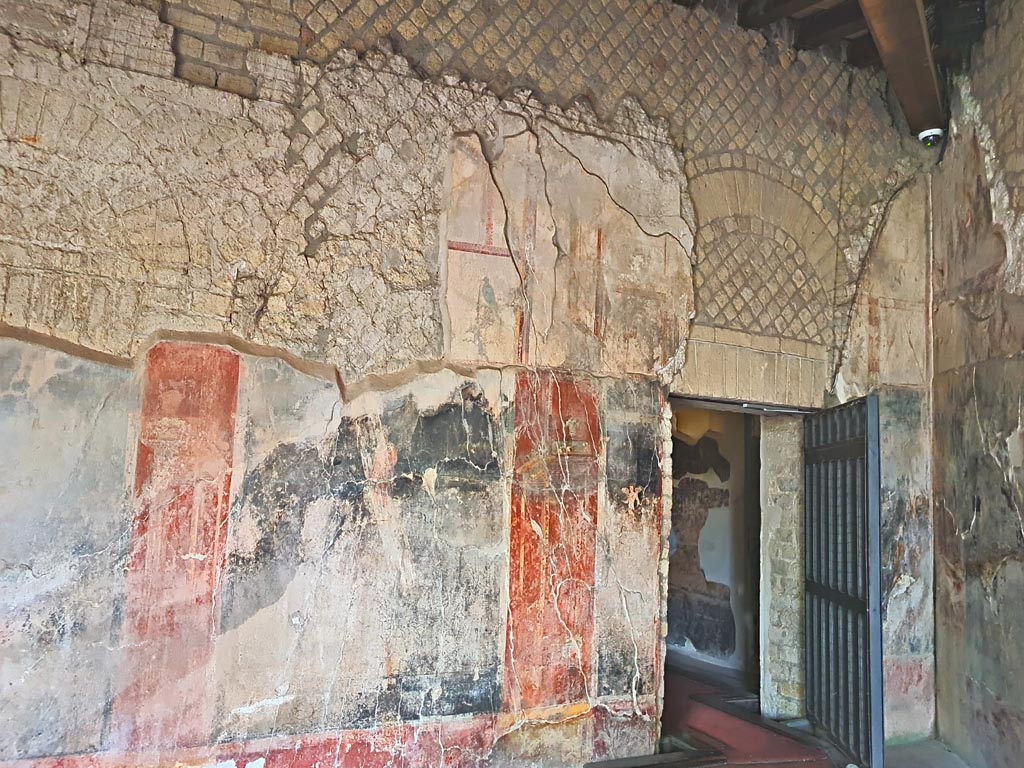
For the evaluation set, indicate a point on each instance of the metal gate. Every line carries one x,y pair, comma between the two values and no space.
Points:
843,579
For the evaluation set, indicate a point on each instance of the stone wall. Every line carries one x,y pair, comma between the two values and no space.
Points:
995,101
979,438
374,344
782,567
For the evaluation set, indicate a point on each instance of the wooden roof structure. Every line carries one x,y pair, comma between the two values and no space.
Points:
911,39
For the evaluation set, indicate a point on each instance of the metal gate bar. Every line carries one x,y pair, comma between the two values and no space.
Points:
843,580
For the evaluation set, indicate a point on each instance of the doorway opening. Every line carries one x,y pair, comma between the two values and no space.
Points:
712,712
810,614
714,545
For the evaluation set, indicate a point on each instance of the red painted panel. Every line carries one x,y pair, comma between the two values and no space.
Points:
182,488
549,647
452,744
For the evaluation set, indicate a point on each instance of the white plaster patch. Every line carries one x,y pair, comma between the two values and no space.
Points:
903,583
255,707
1015,447
430,480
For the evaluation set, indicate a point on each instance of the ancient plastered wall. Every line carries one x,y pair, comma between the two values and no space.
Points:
908,591
227,562
254,502
978,447
329,230
991,101
996,87
392,220
67,420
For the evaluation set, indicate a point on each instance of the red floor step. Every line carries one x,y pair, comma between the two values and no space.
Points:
743,738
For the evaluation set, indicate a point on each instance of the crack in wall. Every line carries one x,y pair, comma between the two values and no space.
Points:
543,278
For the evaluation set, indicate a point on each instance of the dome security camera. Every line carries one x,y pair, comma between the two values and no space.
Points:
931,137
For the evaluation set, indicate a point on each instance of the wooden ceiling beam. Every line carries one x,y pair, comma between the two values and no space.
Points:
900,32
831,26
756,14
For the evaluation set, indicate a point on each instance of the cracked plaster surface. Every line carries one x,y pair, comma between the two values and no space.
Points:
566,249
888,342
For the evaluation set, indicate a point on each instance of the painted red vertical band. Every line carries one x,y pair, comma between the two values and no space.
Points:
182,488
548,649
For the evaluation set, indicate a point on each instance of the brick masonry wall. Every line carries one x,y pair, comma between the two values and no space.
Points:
782,567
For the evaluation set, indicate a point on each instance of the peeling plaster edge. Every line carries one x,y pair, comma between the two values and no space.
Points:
384,56
619,122
1007,221
348,391
63,345
667,373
